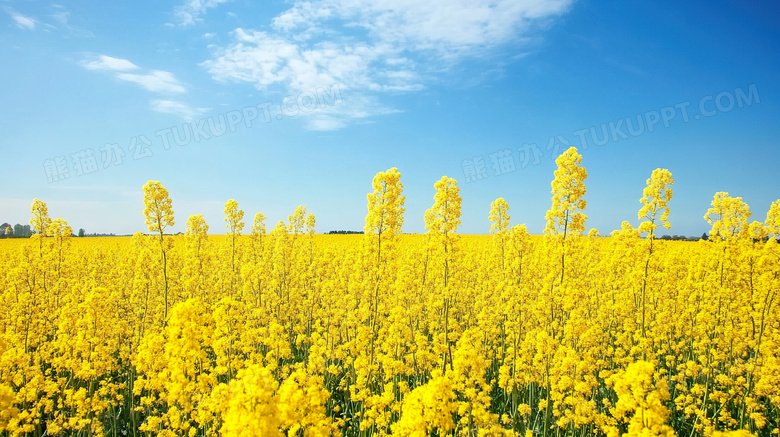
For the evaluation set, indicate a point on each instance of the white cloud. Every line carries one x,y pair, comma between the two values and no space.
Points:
302,12
265,59
189,12
22,21
183,110
108,63
440,25
370,47
157,81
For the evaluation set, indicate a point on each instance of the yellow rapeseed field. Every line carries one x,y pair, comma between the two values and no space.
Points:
271,332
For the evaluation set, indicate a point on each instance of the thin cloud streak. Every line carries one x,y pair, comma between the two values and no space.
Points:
109,63
157,81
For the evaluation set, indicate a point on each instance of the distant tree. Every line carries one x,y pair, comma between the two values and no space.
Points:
26,231
18,230
81,232
704,236
8,231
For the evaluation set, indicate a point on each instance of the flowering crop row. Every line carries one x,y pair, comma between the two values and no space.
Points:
291,333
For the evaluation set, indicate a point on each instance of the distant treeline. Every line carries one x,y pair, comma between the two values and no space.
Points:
704,237
683,237
18,231
24,231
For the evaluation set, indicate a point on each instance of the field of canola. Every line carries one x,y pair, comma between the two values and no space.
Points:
296,334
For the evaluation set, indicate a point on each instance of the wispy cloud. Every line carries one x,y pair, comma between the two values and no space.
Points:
160,82
104,62
190,12
22,21
157,81
360,109
373,47
183,110
58,21
62,17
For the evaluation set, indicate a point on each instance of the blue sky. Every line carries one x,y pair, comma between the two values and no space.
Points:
279,104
